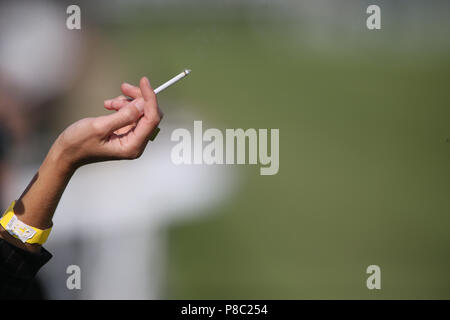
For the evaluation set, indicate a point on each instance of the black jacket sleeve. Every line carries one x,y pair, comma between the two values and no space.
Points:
18,269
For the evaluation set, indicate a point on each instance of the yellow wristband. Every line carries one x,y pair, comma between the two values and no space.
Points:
22,231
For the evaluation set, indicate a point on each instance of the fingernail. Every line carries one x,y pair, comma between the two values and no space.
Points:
107,101
148,81
140,105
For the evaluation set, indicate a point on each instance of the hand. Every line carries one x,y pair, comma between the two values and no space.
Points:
122,135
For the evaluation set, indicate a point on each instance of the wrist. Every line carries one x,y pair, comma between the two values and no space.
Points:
59,160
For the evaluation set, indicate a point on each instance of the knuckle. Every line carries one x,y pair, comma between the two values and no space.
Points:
129,114
97,126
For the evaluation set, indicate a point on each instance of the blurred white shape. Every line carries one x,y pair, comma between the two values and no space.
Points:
38,55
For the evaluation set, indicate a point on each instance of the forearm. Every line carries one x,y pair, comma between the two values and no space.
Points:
38,202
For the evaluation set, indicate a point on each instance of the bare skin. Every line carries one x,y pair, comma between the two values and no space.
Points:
121,135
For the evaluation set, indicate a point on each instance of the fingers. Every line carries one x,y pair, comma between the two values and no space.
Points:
130,90
147,92
152,115
145,131
122,101
144,90
151,103
127,115
144,102
116,103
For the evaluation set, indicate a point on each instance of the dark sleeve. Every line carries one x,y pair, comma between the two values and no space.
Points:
18,269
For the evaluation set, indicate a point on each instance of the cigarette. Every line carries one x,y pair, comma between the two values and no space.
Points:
172,81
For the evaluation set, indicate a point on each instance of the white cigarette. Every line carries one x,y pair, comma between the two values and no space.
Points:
172,81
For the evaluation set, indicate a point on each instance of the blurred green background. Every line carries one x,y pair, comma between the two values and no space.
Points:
364,155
